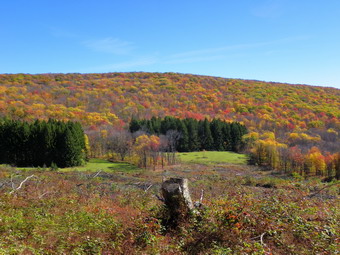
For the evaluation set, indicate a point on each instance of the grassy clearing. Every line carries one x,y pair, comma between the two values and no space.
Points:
212,157
95,165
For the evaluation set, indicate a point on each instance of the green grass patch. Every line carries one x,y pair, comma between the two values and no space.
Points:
95,165
212,157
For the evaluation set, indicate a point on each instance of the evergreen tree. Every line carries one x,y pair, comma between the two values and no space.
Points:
149,127
168,123
183,143
23,146
193,141
216,132
205,135
226,137
237,131
156,124
134,125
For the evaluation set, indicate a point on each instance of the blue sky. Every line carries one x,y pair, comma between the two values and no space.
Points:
294,41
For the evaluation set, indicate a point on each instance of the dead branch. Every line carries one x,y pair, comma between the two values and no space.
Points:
40,196
199,204
201,198
3,184
159,198
20,185
97,174
148,188
326,187
261,238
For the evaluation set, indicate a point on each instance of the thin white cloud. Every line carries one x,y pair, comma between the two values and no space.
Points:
210,51
269,9
209,54
126,65
193,59
196,56
110,45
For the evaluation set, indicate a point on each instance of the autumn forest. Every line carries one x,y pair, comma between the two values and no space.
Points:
167,163
291,128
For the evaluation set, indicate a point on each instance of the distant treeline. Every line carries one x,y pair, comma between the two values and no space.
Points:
194,135
42,143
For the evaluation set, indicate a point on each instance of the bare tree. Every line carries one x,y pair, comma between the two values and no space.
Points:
97,142
163,148
173,137
120,142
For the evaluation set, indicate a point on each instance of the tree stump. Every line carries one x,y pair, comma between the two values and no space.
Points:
177,199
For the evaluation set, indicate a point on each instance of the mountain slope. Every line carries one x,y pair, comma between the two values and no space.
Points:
297,114
147,94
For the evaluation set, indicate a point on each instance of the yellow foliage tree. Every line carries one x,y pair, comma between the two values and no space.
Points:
146,148
315,162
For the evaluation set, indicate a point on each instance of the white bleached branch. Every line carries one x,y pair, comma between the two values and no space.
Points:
20,185
97,174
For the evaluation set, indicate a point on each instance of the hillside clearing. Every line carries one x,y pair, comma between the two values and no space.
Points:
95,165
213,157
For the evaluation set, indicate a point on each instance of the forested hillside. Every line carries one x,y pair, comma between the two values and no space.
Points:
290,126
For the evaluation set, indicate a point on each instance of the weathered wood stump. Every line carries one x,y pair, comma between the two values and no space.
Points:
177,199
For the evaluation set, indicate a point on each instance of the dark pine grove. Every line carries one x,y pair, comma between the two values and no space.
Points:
42,143
194,135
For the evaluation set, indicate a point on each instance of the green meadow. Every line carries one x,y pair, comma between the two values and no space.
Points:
201,157
213,157
95,165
